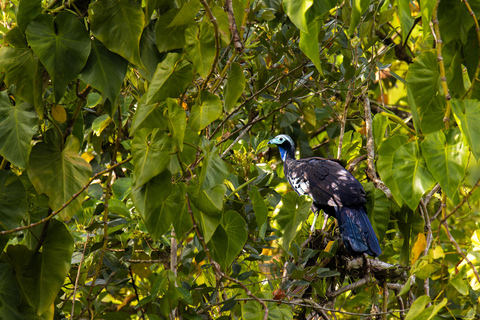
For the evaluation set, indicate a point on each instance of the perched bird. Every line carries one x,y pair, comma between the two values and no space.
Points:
333,189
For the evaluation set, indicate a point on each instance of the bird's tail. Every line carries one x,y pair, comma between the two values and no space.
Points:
357,232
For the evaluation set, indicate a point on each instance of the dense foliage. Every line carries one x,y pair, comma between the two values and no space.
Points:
136,181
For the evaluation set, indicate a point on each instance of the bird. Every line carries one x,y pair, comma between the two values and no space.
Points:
335,191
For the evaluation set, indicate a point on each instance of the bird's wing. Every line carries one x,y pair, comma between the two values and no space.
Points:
327,182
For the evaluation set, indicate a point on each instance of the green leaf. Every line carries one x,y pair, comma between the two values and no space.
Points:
234,87
446,156
148,116
59,174
405,15
208,223
186,14
467,114
426,10
177,122
119,25
9,294
437,308
169,38
296,11
17,127
172,77
121,188
23,68
424,82
200,47
151,154
417,307
309,42
182,222
378,208
42,274
156,203
149,53
259,206
214,170
208,107
62,45
28,11
208,201
448,11
13,200
228,240
460,282
293,211
358,8
411,174
104,70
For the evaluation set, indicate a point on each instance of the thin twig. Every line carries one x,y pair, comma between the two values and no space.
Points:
344,117
237,41
78,276
136,292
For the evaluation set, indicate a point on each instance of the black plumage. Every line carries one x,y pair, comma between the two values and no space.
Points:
336,191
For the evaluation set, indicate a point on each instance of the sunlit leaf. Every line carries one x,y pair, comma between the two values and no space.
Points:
468,114
417,307
296,11
259,206
177,122
405,15
309,43
17,127
418,248
59,173
411,173
446,156
186,14
62,45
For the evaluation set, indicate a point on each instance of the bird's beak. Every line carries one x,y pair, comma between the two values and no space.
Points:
272,142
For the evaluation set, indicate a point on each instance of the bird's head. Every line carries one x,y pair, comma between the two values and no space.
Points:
285,145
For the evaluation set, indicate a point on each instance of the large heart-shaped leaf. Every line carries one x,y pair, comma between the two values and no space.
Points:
182,221
200,46
41,275
151,154
229,239
467,113
208,108
186,14
424,82
62,45
293,211
208,201
22,68
446,155
172,77
17,127
28,11
234,87
208,223
157,203
385,164
59,174
13,200
119,25
411,173
104,70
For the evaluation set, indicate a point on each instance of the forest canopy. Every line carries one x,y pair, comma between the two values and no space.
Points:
136,180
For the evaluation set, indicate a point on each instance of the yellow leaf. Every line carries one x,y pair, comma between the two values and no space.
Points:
59,114
418,247
88,156
476,238
438,253
329,246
